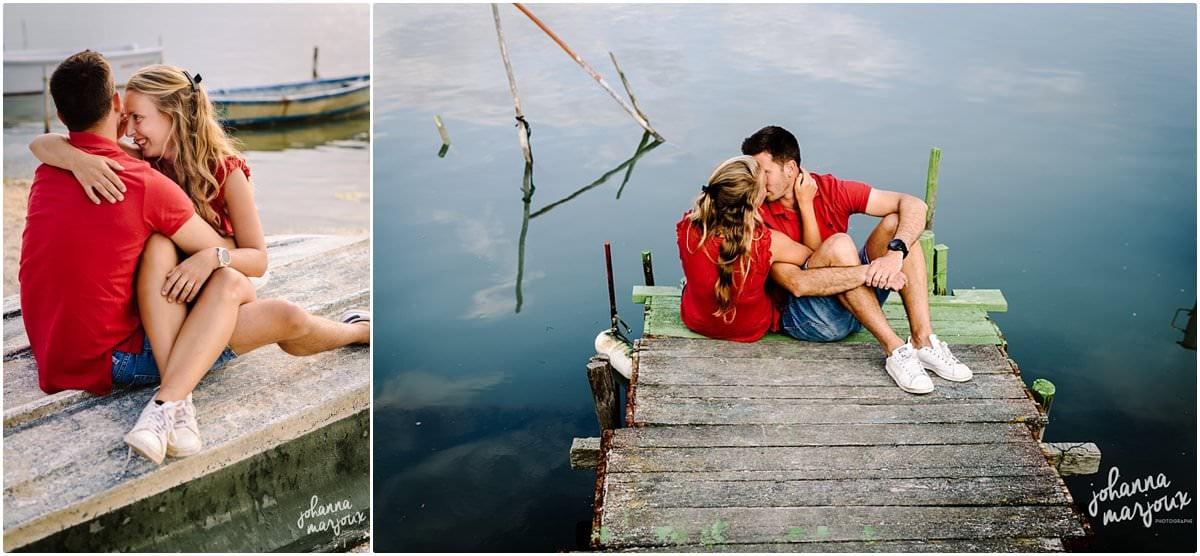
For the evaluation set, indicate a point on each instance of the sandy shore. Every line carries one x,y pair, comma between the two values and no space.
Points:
16,200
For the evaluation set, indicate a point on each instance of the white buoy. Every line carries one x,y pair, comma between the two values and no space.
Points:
620,354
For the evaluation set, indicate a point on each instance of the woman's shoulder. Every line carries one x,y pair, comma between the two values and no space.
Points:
232,162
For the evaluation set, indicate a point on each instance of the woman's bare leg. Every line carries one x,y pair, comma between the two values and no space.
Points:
275,321
205,333
161,319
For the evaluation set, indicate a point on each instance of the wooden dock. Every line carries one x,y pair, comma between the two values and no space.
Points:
783,445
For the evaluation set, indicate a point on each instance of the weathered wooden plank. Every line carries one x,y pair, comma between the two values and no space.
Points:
640,293
982,386
712,436
714,526
983,470
794,349
747,372
824,458
585,453
683,492
701,411
940,545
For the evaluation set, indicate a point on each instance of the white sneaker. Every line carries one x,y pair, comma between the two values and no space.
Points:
153,431
186,440
937,358
906,370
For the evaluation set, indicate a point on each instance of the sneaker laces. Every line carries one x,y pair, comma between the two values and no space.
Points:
185,415
158,423
910,371
945,355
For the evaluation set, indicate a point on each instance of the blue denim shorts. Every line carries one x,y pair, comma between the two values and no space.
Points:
134,369
823,319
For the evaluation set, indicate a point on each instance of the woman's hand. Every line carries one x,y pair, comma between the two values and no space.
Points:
184,281
98,175
806,188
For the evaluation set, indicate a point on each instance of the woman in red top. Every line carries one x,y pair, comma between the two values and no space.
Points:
174,126
727,253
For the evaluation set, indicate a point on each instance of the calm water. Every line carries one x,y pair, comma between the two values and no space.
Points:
308,179
1068,180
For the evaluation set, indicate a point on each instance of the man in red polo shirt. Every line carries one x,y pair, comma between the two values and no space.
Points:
841,288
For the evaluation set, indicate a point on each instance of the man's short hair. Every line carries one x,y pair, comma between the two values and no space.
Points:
82,87
774,140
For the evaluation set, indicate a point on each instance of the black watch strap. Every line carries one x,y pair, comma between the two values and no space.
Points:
898,245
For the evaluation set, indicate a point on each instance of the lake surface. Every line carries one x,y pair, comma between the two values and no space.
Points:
311,179
1068,180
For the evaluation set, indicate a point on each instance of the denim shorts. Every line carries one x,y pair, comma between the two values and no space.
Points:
823,319
135,369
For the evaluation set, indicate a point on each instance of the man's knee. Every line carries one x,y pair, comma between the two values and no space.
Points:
841,250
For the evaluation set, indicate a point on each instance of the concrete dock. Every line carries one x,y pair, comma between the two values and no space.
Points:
286,438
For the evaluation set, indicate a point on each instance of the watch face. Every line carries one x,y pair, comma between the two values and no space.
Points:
223,256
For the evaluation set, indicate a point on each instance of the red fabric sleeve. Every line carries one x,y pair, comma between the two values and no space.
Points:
231,162
167,207
853,196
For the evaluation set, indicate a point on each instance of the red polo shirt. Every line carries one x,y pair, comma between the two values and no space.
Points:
78,262
753,312
835,201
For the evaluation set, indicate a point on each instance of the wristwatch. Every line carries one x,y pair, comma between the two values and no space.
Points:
898,245
223,257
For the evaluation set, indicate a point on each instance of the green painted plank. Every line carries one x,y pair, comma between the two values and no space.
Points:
640,293
941,263
963,324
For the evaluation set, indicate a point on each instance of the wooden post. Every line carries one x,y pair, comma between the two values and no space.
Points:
604,393
941,263
648,268
1043,393
314,67
628,91
45,101
926,241
522,125
639,119
437,119
931,185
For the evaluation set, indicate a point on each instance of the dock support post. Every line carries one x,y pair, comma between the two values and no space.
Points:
648,268
1043,393
604,393
931,185
941,263
45,101
926,241
314,68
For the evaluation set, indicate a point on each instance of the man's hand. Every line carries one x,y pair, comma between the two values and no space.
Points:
184,281
883,272
98,175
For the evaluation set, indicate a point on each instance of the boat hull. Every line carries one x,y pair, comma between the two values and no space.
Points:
24,71
293,102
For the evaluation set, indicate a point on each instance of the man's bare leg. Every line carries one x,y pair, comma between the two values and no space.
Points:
915,294
161,319
839,250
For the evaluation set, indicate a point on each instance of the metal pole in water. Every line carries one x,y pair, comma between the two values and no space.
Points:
612,295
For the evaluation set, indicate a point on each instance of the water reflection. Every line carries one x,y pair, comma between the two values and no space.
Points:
527,189
351,132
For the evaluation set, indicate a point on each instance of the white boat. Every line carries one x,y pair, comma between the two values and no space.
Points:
25,70
289,102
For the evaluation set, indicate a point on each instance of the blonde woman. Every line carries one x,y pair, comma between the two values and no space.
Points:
727,254
173,126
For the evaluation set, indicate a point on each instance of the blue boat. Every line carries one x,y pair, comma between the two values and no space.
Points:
293,102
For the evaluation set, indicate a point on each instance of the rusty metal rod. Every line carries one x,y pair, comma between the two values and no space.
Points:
641,121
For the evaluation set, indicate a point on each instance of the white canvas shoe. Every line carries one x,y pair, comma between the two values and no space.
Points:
186,440
153,431
906,370
937,358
